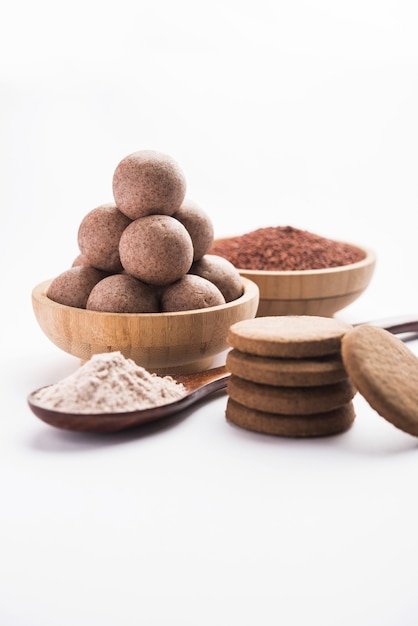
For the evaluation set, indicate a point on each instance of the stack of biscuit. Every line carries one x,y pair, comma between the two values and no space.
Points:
288,377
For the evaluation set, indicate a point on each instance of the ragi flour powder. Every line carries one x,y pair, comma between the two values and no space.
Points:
110,383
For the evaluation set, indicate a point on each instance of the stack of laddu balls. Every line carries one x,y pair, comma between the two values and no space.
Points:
146,252
288,377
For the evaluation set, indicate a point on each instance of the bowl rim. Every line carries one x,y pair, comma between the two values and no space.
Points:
250,290
369,259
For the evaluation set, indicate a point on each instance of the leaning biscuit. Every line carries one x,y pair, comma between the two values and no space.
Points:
317,425
309,372
293,336
385,372
290,400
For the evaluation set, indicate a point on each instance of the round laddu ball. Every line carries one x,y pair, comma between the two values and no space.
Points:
121,293
99,234
156,249
199,226
80,259
221,273
190,292
73,286
148,182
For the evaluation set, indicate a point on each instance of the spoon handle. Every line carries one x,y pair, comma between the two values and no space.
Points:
396,325
211,379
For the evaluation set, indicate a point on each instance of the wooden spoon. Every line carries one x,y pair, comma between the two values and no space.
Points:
198,385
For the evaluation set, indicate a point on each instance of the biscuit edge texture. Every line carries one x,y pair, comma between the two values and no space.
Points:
385,372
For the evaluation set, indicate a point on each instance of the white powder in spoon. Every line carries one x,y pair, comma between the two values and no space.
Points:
110,383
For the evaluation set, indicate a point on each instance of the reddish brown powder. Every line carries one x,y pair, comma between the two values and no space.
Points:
285,248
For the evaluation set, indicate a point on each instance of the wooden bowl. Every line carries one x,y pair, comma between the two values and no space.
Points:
165,343
312,292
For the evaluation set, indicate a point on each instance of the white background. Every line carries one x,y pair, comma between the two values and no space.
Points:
300,113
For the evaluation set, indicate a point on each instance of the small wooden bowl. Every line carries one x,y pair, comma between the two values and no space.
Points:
312,292
165,343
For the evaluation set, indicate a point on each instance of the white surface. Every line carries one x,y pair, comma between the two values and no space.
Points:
301,113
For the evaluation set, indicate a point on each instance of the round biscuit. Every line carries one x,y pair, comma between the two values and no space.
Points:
385,372
288,336
289,400
317,425
309,372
